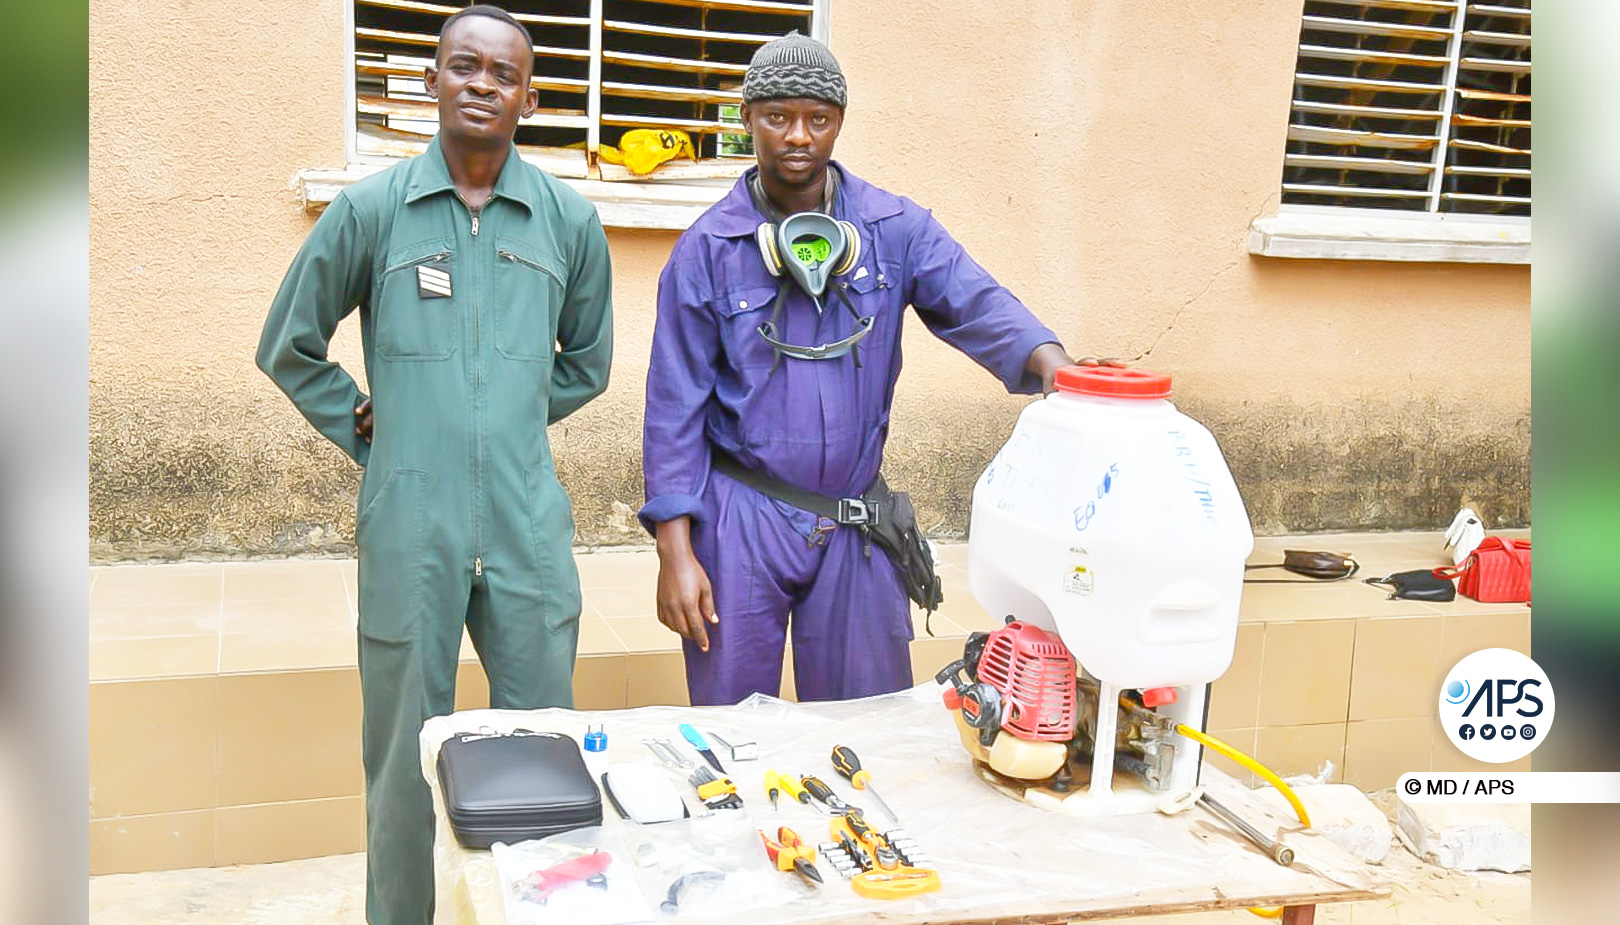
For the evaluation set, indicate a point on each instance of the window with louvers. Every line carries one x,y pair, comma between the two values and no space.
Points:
1412,105
601,67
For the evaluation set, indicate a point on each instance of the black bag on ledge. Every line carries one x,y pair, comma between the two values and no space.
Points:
1418,585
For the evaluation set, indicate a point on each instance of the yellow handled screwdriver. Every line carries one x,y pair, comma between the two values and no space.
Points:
848,766
793,787
773,786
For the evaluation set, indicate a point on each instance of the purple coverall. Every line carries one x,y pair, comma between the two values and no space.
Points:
819,425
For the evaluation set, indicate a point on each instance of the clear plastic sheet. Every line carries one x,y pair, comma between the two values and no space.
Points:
703,868
610,898
996,856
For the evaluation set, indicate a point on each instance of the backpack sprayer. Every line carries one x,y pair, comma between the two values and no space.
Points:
1110,530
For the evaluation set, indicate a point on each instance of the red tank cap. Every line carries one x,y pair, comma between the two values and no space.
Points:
1156,697
953,700
1112,382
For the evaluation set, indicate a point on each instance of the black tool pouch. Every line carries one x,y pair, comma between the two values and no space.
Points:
885,518
515,787
895,532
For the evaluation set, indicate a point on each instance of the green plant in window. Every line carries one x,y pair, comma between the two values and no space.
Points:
734,144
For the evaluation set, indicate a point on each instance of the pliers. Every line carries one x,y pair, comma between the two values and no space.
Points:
789,852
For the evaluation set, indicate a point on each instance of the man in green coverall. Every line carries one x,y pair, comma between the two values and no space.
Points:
483,291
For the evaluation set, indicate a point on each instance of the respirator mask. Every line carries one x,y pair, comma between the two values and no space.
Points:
809,249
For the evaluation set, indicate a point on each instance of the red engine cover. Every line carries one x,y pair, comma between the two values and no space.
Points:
1034,673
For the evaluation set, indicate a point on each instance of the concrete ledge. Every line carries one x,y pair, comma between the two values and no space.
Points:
660,206
1357,234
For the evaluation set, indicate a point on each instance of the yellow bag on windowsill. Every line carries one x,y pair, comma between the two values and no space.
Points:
643,150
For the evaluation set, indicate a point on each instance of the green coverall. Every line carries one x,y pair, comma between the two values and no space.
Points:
461,517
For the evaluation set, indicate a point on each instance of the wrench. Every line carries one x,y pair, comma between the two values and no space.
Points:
681,760
665,759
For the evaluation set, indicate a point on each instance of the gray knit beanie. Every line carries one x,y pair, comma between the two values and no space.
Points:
794,66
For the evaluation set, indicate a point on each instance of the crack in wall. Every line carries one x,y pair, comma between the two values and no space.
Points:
1186,304
1182,308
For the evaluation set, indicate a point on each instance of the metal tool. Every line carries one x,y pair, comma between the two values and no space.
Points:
716,792
702,745
681,761
855,852
910,852
849,767
742,751
814,786
589,869
884,873
789,852
672,904
657,748
1275,850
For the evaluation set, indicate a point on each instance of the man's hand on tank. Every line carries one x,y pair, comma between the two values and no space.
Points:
362,420
1045,361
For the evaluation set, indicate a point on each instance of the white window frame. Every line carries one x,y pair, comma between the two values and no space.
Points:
1349,233
671,205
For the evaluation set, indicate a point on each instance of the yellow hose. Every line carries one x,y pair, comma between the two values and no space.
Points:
1270,777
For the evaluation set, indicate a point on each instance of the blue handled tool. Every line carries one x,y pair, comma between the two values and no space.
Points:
702,745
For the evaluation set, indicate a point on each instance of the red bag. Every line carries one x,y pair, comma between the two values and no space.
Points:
1496,572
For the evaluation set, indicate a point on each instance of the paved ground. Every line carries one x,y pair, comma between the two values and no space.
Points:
328,891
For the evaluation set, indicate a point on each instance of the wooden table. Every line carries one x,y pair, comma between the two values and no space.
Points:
1001,862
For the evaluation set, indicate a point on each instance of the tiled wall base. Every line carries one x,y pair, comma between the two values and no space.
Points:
225,705
1361,693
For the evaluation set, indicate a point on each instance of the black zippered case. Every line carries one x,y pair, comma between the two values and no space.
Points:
509,788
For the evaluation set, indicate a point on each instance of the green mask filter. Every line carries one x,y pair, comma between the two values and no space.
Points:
815,244
811,249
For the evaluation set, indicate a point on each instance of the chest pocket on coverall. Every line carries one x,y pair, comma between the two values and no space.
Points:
739,316
529,293
410,327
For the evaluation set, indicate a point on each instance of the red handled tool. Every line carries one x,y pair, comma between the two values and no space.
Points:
789,852
589,868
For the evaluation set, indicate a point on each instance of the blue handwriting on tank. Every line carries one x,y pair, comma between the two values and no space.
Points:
1191,474
1084,513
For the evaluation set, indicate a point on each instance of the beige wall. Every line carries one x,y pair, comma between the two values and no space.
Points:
1103,160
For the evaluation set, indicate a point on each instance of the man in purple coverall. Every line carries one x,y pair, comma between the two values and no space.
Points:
735,562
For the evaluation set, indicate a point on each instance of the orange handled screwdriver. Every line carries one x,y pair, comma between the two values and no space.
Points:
815,787
849,767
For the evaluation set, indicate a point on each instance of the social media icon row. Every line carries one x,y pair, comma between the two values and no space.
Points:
1489,731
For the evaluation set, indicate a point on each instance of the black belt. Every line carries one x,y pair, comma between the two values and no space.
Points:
848,511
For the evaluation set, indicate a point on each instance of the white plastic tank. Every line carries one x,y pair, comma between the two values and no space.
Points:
1111,517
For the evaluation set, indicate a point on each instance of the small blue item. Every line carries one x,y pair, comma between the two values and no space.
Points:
695,737
595,741
702,746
